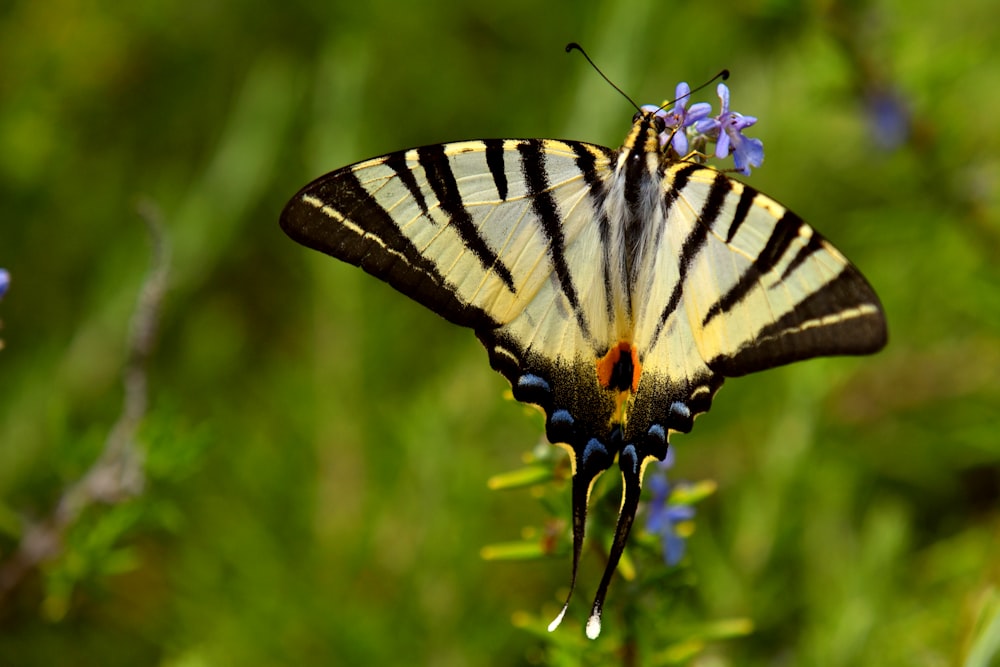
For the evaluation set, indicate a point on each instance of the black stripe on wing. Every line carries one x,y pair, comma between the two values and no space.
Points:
785,231
695,241
544,206
813,245
442,180
586,162
337,215
742,209
843,317
397,162
672,193
495,163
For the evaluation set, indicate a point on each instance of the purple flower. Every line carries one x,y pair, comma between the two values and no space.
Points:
4,281
680,117
727,131
888,118
663,517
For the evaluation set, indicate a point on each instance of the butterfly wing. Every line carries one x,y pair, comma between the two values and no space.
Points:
727,282
484,233
737,283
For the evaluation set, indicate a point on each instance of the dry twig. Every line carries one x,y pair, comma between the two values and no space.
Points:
118,473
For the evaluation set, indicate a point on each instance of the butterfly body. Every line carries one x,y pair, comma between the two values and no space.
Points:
614,289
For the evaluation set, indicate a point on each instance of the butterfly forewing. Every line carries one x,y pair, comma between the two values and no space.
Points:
454,226
791,296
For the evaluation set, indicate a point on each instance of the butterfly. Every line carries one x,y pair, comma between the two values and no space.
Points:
614,289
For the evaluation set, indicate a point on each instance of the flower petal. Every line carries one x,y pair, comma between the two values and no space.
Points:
747,153
722,145
680,142
673,548
723,91
668,461
678,513
698,111
660,487
682,94
709,127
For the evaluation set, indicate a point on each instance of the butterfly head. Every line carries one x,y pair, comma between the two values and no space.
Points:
645,137
658,123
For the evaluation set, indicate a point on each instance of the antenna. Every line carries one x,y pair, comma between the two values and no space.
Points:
574,46
724,75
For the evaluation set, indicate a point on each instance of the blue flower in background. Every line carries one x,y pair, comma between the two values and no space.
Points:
727,130
4,284
663,516
888,118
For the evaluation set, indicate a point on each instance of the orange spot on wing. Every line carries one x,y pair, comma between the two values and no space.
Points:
636,368
606,365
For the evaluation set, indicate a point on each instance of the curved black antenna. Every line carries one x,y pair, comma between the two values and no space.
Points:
574,46
724,75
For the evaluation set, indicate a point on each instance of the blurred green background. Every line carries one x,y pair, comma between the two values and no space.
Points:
317,447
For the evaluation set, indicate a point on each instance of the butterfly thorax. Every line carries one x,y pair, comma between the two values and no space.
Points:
634,209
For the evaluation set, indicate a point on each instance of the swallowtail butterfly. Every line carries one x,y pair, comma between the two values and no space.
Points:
615,289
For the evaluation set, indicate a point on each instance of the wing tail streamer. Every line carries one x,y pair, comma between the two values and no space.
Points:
592,460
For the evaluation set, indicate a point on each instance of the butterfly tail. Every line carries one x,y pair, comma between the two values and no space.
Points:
591,460
630,462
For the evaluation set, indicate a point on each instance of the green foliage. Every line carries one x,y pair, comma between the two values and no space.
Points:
317,448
